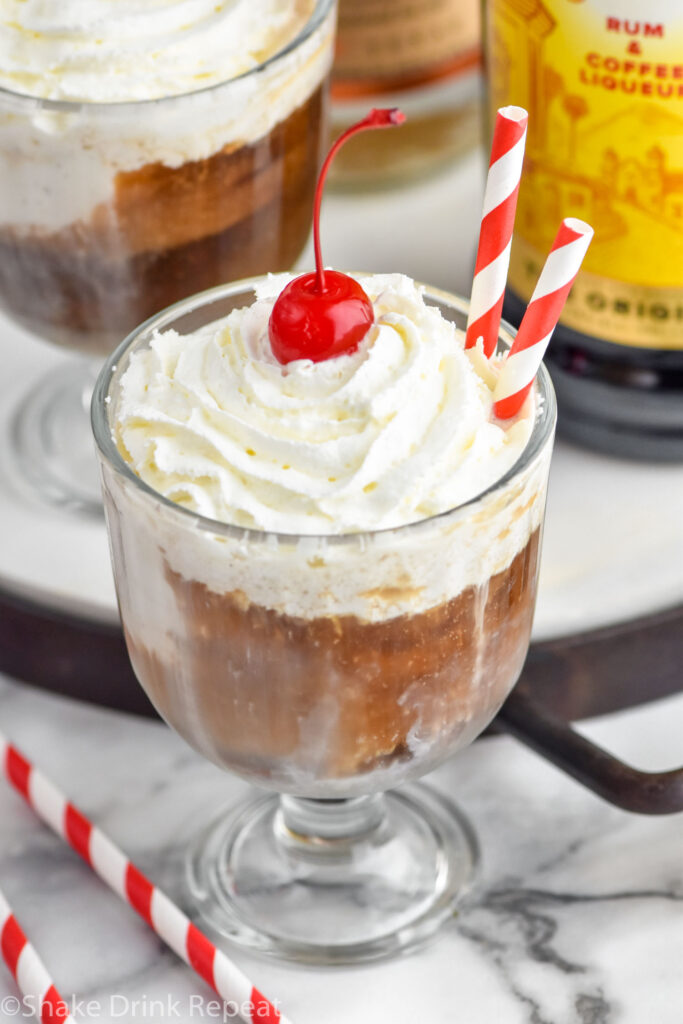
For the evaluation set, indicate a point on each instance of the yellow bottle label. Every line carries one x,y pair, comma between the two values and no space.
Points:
603,83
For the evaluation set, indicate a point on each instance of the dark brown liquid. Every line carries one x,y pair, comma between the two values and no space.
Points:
334,697
170,232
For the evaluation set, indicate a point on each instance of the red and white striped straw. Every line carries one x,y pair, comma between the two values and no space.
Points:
128,882
521,364
40,995
495,234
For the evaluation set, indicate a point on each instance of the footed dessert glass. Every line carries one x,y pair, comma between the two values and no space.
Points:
328,670
111,211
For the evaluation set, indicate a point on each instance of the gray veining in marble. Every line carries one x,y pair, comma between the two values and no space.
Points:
577,917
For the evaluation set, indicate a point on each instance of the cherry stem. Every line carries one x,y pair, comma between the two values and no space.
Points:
377,118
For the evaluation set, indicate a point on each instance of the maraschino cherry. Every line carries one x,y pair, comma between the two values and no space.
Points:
324,314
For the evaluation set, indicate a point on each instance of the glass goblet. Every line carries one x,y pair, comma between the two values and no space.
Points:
332,671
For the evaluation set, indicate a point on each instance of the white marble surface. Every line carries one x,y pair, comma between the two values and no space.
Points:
577,917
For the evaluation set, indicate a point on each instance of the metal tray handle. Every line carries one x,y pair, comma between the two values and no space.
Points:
554,739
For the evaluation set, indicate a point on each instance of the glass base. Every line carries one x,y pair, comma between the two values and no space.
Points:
52,445
333,881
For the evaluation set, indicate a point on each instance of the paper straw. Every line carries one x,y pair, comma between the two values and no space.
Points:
35,984
540,320
495,234
128,882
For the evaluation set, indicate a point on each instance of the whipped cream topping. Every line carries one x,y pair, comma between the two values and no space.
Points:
396,432
118,50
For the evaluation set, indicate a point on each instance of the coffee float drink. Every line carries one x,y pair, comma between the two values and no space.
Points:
300,660
148,151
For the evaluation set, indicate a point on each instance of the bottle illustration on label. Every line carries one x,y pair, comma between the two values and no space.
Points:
603,83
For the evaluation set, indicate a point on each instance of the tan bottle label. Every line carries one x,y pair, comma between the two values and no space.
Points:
603,83
394,38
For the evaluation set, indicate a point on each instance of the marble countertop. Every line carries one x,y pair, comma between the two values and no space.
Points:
577,917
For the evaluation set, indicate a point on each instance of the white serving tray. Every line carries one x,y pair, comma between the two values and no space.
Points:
613,546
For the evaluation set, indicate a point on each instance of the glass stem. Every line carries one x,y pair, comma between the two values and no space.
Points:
328,824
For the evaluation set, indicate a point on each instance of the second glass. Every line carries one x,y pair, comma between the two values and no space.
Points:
110,212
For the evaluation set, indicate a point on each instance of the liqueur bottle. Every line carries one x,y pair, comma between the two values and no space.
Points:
603,83
424,55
